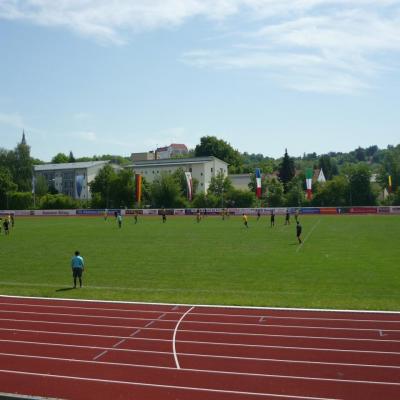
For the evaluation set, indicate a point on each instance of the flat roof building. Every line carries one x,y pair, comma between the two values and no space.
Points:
202,169
71,179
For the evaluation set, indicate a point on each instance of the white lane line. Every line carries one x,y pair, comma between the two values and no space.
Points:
308,235
221,315
174,337
324,328
188,388
229,357
130,336
266,336
261,319
210,372
257,346
89,301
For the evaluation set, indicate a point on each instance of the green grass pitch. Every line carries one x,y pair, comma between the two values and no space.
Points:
347,262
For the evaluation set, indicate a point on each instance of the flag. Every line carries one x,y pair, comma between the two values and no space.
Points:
189,182
258,182
138,179
309,175
390,183
321,177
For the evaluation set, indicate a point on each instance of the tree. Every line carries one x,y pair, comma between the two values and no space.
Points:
21,166
41,186
123,189
275,195
166,192
360,190
219,187
102,185
211,146
60,158
71,158
286,170
333,193
295,194
6,186
328,166
390,166
240,198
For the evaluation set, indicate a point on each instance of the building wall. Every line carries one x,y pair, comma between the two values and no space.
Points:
201,171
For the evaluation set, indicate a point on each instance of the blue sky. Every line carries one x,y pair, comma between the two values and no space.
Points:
100,76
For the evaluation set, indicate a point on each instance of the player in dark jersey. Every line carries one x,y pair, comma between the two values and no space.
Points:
164,216
287,217
258,215
298,231
272,218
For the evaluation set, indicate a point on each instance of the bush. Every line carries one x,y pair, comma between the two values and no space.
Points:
57,202
20,201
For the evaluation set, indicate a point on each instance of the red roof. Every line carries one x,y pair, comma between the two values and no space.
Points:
178,146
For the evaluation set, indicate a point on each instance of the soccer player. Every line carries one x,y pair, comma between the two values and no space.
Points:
164,216
119,219
6,226
198,216
245,220
105,214
272,218
135,217
78,266
287,218
296,215
258,214
298,231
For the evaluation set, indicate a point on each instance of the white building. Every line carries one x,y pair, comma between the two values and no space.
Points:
71,179
202,169
174,149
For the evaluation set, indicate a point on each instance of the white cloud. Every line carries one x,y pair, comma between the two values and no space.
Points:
319,45
14,120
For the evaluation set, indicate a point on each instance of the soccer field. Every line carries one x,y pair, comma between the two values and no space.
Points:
347,262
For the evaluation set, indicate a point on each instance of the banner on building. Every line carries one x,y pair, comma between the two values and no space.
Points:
321,176
258,183
138,181
189,183
309,175
79,181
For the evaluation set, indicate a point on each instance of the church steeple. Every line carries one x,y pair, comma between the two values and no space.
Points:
23,141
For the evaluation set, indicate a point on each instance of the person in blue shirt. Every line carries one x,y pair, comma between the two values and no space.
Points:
78,266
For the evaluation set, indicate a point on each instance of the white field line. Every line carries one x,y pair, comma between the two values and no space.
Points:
330,310
292,377
308,235
228,357
125,339
230,344
325,328
174,337
258,324
196,389
221,315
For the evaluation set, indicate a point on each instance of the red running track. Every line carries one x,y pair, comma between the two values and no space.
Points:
68,349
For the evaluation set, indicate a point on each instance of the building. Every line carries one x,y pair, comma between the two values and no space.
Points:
240,181
149,155
173,150
71,179
202,169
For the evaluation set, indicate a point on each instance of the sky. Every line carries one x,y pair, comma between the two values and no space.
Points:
115,77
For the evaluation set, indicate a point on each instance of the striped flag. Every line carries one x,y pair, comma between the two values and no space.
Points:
309,175
138,181
258,182
390,183
189,182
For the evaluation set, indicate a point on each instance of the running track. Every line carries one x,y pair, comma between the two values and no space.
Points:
104,350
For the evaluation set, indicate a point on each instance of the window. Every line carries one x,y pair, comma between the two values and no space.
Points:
201,174
190,169
153,171
212,169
